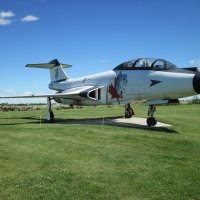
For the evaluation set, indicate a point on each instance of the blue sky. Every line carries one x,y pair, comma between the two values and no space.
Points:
93,36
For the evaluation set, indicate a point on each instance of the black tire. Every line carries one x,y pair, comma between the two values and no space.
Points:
128,113
154,122
151,121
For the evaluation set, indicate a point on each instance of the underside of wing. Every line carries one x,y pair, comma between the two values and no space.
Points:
163,101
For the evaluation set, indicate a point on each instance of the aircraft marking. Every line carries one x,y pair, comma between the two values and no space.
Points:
119,86
154,82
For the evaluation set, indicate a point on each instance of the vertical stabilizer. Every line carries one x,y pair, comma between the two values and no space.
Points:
56,70
57,73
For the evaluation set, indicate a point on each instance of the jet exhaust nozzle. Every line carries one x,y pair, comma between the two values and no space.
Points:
196,82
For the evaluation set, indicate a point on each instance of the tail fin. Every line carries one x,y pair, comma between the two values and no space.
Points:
56,70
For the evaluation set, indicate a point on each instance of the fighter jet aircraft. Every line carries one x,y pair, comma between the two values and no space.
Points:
155,81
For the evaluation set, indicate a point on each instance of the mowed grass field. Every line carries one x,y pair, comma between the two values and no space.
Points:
70,161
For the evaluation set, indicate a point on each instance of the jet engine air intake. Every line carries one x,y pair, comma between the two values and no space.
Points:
94,94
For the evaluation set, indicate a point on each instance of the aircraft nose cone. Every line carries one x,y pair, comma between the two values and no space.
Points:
196,82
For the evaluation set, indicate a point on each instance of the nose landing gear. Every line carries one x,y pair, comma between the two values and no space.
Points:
151,121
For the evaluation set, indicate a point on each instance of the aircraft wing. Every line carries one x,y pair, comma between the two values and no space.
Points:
78,93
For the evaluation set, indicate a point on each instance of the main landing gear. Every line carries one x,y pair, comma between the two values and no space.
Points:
50,115
151,121
129,111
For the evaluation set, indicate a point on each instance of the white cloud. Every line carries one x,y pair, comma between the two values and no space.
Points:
5,21
29,18
4,17
9,90
6,14
195,62
191,62
28,93
103,61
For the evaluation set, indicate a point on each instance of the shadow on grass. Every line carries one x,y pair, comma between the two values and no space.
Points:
26,120
108,121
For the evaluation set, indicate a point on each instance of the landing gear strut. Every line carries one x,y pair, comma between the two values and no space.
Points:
151,121
50,115
129,111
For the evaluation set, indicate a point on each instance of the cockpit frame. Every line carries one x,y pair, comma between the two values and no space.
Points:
146,64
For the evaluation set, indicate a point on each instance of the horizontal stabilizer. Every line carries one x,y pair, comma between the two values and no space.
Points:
49,65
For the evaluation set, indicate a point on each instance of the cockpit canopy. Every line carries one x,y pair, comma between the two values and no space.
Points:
145,64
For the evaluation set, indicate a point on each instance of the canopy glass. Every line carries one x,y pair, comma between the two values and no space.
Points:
146,63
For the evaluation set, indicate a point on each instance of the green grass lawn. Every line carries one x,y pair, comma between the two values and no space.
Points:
69,161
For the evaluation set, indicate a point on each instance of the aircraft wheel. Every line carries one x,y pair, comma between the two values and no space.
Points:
151,121
154,121
128,113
